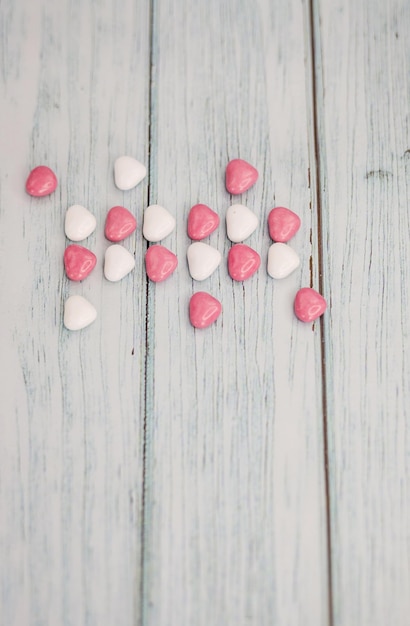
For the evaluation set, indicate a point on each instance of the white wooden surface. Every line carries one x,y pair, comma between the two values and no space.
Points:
363,102
256,472
234,516
74,95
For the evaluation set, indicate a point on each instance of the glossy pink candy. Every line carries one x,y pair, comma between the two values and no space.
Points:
243,261
78,262
202,221
309,304
160,263
41,181
119,223
283,224
204,309
239,176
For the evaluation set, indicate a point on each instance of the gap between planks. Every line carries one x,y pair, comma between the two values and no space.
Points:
314,60
148,367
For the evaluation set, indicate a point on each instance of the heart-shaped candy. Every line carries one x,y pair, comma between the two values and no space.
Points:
239,176
79,223
282,260
283,224
119,223
243,261
158,223
128,172
78,313
309,304
41,181
159,263
204,309
78,262
118,262
240,222
202,260
202,221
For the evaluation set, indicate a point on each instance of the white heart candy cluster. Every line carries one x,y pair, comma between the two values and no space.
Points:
79,261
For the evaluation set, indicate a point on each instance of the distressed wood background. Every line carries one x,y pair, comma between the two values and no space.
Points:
258,472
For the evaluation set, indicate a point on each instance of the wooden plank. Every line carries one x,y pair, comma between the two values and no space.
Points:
235,528
74,85
363,114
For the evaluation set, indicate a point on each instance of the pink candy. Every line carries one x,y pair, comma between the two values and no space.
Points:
160,263
78,262
119,224
309,304
202,221
243,261
283,224
204,309
240,176
41,181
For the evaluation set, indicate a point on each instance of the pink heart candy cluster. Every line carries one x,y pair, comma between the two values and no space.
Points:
160,262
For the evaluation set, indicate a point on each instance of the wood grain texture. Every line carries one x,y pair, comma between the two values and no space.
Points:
234,519
364,136
156,475
75,86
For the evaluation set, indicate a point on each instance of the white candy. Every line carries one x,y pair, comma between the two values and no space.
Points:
240,222
79,223
202,260
78,313
282,260
118,262
128,172
158,223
